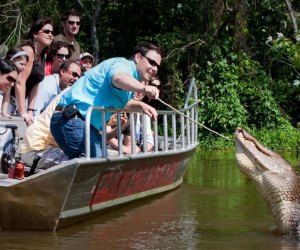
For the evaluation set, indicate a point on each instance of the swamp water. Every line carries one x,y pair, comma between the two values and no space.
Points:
216,207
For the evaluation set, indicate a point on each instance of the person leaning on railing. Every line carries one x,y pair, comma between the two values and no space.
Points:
39,37
110,84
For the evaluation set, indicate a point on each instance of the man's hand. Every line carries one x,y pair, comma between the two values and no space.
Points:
148,110
28,118
151,91
135,105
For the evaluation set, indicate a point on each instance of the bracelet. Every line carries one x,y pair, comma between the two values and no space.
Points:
31,110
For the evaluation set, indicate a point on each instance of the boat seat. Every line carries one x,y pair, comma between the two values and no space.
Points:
3,176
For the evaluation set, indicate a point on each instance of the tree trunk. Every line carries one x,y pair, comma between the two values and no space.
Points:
93,19
94,31
292,16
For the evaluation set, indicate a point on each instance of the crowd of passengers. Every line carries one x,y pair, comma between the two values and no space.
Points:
49,82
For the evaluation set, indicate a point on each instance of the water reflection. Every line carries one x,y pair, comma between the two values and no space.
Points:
152,224
215,208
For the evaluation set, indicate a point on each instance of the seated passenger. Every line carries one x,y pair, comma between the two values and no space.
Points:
127,149
52,85
87,61
126,136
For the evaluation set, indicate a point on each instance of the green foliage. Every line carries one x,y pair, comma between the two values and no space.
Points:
256,96
266,19
284,57
285,137
212,141
220,104
243,54
234,92
178,66
284,67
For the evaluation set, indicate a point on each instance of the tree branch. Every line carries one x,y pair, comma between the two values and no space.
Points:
292,16
182,48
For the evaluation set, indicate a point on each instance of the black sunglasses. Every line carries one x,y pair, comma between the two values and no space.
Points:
11,79
48,31
61,56
155,85
73,22
74,74
152,62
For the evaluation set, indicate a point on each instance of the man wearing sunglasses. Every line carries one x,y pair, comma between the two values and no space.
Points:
110,84
70,22
54,84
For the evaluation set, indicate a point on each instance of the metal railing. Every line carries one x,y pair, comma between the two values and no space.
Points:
174,133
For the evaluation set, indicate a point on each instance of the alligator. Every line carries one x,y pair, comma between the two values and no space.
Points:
275,179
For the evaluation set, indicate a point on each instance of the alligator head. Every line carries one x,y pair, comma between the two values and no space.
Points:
275,179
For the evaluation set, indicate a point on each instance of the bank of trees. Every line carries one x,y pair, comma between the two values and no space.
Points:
245,54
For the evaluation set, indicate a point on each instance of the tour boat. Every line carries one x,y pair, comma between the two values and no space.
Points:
83,187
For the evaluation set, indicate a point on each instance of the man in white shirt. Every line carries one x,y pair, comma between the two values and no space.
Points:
52,85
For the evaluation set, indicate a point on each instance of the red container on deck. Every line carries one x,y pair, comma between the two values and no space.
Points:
17,172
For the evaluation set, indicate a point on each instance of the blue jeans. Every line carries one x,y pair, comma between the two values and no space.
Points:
70,136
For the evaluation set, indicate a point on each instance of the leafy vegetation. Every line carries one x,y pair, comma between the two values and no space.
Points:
245,55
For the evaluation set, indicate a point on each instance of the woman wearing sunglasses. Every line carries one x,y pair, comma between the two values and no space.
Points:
8,74
58,53
40,36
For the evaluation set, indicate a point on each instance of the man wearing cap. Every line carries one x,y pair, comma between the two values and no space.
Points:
86,61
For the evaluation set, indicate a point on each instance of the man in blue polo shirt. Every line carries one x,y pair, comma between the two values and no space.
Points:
110,84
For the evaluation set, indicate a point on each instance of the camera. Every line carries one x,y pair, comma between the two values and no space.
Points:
70,111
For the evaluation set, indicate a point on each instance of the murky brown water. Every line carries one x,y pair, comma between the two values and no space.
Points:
215,208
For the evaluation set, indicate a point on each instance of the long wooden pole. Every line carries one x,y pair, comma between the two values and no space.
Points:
200,124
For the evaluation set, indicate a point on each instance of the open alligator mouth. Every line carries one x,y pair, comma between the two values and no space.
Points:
274,178
260,156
